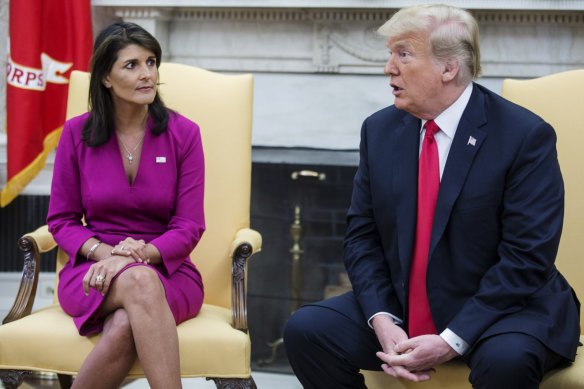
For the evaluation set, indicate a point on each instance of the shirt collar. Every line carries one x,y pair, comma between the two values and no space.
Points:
449,118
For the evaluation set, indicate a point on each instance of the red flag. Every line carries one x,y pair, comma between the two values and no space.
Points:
48,39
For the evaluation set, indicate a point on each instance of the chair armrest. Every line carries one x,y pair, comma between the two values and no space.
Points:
43,239
246,243
32,246
249,236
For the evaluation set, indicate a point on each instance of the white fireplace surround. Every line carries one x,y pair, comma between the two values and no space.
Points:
318,65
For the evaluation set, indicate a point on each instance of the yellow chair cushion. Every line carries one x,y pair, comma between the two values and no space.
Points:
217,349
454,375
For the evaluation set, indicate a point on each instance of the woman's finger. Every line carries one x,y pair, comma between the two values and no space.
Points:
137,251
99,281
105,285
87,280
121,249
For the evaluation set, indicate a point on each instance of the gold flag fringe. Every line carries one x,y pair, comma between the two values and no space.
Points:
16,184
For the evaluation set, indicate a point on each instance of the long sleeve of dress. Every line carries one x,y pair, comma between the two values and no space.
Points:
187,224
65,208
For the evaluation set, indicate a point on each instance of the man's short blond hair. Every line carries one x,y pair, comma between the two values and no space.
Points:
452,33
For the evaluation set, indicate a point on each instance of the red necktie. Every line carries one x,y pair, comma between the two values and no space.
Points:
420,318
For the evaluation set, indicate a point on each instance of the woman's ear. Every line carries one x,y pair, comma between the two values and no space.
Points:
106,83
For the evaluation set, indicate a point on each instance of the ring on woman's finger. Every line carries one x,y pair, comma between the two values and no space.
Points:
100,279
113,252
122,247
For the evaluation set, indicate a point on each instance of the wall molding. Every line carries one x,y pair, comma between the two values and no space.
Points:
568,5
162,13
320,38
524,17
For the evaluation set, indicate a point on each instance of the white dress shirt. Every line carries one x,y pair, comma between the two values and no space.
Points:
448,122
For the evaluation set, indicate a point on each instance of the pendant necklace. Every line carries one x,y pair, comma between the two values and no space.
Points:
130,154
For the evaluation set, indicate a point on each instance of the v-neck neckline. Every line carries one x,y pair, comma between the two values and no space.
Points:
132,184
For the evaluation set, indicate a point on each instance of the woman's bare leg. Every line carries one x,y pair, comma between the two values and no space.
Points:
139,291
110,360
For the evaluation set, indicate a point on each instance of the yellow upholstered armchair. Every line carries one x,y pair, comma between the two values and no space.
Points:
559,99
216,343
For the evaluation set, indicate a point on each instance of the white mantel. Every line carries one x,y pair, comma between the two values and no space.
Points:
526,38
568,5
318,63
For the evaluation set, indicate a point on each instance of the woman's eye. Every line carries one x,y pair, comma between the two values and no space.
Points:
151,62
130,65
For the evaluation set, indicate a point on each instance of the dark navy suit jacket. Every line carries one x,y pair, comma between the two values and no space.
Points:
496,230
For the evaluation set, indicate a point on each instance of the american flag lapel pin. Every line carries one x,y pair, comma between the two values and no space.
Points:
160,159
471,141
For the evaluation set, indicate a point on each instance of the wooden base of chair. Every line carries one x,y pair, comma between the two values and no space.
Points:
12,379
65,381
234,383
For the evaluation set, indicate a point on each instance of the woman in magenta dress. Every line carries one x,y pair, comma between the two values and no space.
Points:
127,207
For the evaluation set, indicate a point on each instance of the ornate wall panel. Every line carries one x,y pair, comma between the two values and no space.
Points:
517,43
318,64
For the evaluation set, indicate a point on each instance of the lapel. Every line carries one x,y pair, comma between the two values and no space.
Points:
405,186
465,146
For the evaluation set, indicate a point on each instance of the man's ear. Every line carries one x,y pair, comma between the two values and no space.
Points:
451,69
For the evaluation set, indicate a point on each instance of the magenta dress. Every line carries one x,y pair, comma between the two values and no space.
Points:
164,206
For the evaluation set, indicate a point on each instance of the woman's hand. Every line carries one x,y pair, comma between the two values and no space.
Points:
100,274
133,248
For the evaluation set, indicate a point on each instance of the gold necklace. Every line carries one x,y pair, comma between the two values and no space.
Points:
130,154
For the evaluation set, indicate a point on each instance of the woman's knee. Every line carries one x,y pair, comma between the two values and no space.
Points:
140,284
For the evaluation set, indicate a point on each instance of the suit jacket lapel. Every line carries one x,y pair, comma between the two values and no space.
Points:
405,183
465,145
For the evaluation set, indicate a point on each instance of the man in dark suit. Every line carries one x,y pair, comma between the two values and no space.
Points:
453,229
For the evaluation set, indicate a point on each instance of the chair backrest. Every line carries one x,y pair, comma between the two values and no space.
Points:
222,106
558,99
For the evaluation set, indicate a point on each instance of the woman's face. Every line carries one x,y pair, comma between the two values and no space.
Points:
133,77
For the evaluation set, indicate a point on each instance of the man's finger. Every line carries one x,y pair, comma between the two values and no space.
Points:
389,370
404,347
402,372
393,359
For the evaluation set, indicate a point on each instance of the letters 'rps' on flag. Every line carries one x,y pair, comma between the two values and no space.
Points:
48,39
